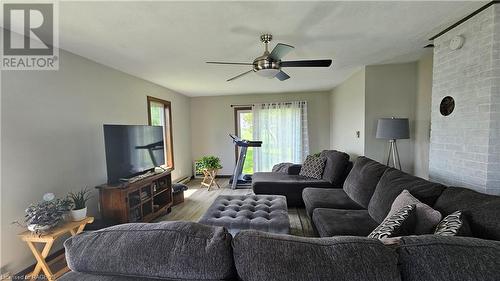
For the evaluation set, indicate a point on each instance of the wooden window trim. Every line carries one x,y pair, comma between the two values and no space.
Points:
236,110
169,152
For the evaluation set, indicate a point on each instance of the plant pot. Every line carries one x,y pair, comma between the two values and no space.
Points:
78,215
40,228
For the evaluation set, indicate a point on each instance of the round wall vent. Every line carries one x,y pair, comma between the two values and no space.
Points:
447,106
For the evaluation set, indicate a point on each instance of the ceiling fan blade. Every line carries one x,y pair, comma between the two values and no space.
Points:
240,75
282,76
280,50
306,63
234,63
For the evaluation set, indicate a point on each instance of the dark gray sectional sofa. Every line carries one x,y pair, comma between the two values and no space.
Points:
370,189
342,216
291,184
191,251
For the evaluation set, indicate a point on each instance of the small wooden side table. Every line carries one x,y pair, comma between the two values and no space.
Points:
47,239
209,179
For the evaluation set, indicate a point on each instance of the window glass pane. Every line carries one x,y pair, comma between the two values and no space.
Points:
245,128
157,114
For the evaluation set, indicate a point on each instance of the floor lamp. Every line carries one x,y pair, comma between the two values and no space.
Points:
393,129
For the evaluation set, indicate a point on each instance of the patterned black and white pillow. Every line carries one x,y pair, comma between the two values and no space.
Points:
313,167
453,224
395,225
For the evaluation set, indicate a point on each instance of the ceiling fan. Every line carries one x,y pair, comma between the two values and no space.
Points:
270,63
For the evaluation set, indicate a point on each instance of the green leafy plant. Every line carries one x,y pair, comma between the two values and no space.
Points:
79,200
45,214
210,163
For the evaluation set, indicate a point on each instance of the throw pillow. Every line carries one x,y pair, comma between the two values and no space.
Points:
313,167
426,217
398,224
453,224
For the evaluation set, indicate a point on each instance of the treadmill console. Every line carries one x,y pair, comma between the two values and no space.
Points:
245,143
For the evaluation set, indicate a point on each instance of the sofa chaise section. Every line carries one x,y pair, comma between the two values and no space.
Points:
287,185
291,184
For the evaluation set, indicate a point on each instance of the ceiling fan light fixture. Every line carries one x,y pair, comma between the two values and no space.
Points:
269,64
269,73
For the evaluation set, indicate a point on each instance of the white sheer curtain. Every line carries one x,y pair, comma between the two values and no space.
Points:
282,128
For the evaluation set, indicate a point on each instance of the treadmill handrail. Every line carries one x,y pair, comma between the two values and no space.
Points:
245,143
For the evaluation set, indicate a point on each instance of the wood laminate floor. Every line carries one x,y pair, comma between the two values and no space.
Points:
197,200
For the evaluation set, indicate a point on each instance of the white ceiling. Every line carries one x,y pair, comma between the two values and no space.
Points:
168,42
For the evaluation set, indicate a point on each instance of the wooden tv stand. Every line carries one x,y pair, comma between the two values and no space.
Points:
139,201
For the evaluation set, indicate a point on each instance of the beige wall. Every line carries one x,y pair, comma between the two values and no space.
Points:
390,91
212,119
378,91
422,123
347,110
52,139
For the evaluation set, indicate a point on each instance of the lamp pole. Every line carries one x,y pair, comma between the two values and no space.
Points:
393,149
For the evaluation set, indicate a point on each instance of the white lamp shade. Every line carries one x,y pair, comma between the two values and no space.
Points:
393,128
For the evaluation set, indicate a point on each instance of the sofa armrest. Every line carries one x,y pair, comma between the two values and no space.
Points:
294,169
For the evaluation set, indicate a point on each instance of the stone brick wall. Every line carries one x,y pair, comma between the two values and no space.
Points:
465,146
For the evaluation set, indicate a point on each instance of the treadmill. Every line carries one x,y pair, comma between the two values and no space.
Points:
238,180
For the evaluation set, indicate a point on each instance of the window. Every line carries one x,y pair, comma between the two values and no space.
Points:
282,128
243,118
160,114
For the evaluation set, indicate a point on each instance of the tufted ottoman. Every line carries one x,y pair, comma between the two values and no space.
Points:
259,212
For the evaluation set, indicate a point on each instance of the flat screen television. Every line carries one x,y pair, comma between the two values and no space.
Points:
132,149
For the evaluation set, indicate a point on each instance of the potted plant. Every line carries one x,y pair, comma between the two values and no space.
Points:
79,202
46,214
211,163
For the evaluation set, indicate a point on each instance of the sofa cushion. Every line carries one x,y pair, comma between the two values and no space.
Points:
392,183
313,167
439,258
402,222
77,276
329,198
290,186
334,222
167,250
336,166
362,180
265,256
481,211
426,218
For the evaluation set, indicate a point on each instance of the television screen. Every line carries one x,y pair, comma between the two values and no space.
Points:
132,149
